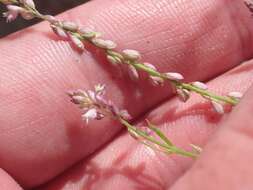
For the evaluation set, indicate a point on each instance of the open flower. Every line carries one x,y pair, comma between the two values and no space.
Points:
95,106
13,12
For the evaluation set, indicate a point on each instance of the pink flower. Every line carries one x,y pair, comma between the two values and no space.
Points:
90,114
13,12
95,106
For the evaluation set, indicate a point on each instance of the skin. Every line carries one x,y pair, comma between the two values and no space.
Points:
45,145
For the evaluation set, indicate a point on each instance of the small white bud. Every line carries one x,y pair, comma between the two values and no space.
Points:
50,19
90,114
99,87
113,60
131,55
125,115
77,42
110,44
77,99
151,66
87,33
156,80
174,76
196,148
218,107
71,26
200,85
183,94
92,95
133,73
105,44
236,95
59,32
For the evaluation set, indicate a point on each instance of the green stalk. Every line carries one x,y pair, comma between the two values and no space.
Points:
169,148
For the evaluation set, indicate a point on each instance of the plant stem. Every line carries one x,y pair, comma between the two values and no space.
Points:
169,148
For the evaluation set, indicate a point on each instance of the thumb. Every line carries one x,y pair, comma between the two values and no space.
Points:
225,163
7,183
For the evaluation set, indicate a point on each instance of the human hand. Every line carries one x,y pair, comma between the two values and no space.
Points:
41,131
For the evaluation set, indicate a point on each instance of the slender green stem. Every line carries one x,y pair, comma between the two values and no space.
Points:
168,148
209,94
187,86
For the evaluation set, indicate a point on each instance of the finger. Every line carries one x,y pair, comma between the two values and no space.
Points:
225,163
41,132
127,164
7,183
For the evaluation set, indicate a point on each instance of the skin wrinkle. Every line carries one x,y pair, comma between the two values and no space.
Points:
239,26
70,120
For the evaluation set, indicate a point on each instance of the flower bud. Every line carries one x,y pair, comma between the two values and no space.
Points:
236,95
70,26
183,94
174,76
200,85
50,19
59,32
151,66
77,42
131,55
218,107
105,44
87,33
156,80
133,73
113,60
90,114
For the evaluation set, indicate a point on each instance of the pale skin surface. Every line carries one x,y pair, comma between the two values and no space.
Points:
42,137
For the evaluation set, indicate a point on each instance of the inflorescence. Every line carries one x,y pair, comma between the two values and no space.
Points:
95,106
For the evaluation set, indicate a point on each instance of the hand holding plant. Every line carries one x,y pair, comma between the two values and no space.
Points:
137,105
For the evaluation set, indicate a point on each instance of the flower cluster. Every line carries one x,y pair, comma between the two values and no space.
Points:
14,10
95,106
